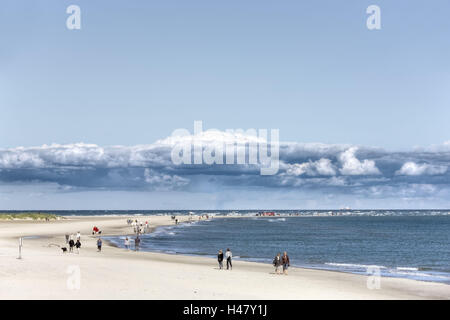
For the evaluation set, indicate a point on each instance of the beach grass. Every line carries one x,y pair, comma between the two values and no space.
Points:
29,216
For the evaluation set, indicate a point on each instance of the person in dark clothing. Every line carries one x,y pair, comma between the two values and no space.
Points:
229,257
285,262
137,242
71,245
277,263
220,259
78,245
99,244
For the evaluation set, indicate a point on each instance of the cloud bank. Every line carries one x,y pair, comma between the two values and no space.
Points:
323,169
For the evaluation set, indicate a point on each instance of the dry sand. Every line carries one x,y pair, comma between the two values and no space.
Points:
45,272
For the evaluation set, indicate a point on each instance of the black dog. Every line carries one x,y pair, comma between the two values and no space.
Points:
64,249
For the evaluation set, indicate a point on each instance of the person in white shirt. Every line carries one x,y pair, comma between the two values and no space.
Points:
78,236
229,257
127,243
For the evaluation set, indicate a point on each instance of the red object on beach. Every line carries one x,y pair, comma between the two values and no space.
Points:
267,214
95,229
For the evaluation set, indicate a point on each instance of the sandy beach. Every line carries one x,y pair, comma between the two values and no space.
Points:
44,272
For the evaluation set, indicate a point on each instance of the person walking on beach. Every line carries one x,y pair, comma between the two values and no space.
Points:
99,244
229,257
220,259
285,262
78,236
137,242
71,244
78,245
277,263
127,243
67,238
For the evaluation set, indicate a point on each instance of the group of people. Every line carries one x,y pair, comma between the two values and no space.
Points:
174,219
75,242
139,227
280,261
228,256
137,242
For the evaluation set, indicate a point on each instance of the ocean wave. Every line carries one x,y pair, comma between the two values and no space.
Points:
419,275
350,265
403,272
277,220
407,269
188,224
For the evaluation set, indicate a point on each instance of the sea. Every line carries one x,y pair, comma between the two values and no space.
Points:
412,244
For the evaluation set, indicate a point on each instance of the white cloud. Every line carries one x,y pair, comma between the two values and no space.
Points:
413,169
213,136
83,155
352,166
19,159
325,168
321,167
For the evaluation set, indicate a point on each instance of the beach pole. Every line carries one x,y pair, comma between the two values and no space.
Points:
20,247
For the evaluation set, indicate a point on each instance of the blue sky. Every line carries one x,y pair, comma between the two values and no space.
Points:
137,70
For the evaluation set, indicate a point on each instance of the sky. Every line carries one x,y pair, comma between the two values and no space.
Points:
86,115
